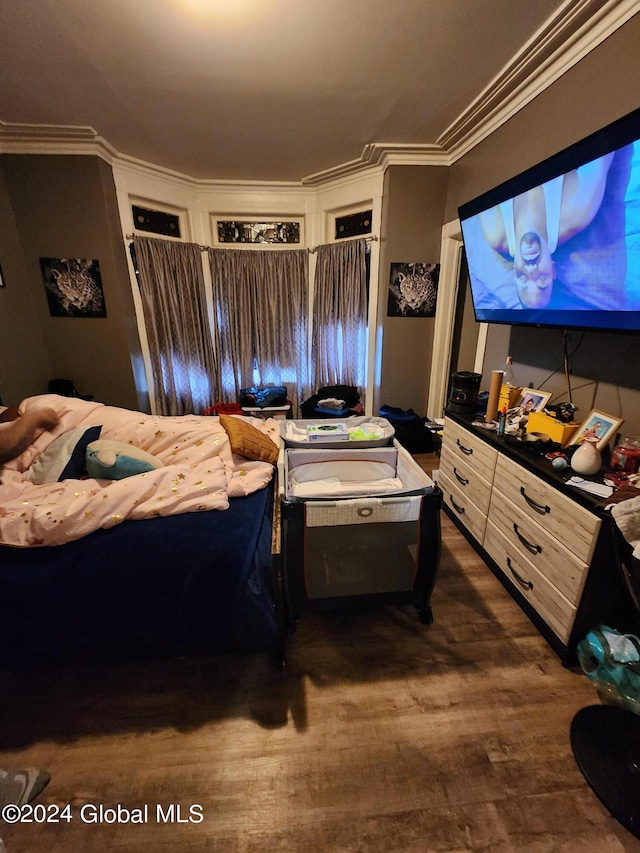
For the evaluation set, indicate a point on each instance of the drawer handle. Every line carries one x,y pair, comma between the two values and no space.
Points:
467,450
521,581
538,507
460,479
458,509
535,549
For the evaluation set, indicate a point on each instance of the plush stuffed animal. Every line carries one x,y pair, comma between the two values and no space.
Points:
23,430
115,460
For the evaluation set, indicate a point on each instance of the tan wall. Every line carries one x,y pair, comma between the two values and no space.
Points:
600,89
65,206
24,363
412,216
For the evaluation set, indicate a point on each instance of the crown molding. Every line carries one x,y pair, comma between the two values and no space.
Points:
577,28
377,156
392,154
70,139
53,139
124,162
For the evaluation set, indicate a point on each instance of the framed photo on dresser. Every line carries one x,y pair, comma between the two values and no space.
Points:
597,425
532,400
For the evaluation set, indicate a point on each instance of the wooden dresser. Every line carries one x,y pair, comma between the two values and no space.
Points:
548,543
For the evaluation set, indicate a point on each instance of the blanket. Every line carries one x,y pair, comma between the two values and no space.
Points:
627,516
200,473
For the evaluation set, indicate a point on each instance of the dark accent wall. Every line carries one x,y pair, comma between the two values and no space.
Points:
412,216
24,362
601,88
66,207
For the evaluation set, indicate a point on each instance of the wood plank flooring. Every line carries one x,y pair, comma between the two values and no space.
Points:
382,734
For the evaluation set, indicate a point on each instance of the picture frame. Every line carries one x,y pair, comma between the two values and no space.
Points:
532,400
413,290
599,424
73,287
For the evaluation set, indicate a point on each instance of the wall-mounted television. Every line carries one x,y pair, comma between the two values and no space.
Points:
559,245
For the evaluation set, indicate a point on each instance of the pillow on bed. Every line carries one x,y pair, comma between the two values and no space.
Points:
64,459
247,441
114,460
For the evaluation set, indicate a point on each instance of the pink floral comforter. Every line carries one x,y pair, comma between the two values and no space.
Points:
200,473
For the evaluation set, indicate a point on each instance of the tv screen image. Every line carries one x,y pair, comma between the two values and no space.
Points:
559,245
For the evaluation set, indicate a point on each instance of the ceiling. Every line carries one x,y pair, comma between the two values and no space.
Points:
260,90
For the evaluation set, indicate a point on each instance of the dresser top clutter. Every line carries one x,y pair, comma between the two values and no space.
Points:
523,453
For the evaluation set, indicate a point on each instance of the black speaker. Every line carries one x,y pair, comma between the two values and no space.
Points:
463,397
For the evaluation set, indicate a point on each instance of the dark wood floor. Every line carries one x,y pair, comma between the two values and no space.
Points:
381,735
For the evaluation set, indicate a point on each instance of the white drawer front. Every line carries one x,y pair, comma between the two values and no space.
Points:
549,603
525,536
469,448
461,472
570,523
462,507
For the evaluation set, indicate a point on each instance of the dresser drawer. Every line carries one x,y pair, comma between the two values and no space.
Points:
539,547
571,524
462,507
461,473
547,601
469,448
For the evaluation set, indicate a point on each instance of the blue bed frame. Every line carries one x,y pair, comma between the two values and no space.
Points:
200,582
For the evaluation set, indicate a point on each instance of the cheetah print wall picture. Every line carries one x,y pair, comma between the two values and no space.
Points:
413,289
73,287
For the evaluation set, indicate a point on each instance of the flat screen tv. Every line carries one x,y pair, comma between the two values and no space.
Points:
559,245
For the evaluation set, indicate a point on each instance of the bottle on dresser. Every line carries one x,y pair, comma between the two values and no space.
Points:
502,421
509,376
510,391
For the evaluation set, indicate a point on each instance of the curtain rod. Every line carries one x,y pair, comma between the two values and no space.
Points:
369,239
161,237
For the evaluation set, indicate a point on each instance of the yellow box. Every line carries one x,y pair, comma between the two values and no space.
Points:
541,422
509,397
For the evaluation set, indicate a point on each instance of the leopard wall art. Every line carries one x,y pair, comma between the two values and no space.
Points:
73,287
413,289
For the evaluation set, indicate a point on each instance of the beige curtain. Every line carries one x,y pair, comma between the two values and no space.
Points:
183,363
339,345
260,304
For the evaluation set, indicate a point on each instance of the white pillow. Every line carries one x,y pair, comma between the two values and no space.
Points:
65,458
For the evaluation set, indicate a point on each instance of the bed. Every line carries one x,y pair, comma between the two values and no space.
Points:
174,560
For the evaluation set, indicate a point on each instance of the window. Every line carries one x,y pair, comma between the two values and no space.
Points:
353,225
263,233
155,221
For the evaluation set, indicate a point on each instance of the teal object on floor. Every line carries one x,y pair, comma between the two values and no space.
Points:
611,658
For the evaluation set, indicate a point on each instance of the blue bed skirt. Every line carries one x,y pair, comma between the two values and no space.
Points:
197,582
